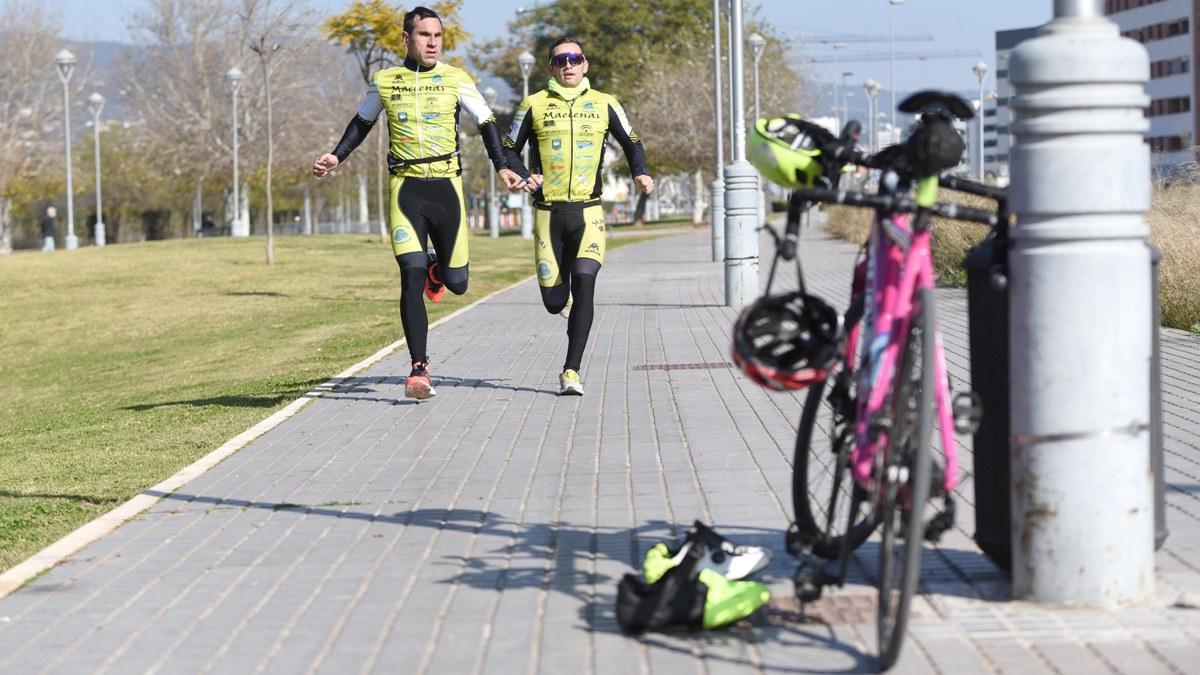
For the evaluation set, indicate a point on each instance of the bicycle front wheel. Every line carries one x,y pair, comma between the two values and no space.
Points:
904,479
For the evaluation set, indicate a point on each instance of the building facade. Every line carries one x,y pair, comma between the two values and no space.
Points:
1167,29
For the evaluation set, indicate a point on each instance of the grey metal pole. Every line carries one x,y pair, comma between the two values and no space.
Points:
741,191
980,69
96,104
526,209
526,61
1082,509
732,66
717,191
892,40
234,75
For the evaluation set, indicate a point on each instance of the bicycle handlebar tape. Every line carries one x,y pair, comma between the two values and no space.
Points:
1080,282
741,234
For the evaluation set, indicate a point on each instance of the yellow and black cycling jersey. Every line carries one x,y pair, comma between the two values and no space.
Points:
422,105
570,125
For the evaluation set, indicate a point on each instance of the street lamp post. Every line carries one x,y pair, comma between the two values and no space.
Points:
525,61
837,120
872,88
96,104
980,70
892,39
757,45
845,94
741,180
717,198
234,76
65,61
493,211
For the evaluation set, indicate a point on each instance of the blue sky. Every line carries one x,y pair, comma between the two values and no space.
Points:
954,24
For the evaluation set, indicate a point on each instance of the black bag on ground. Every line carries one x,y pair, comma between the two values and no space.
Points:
675,600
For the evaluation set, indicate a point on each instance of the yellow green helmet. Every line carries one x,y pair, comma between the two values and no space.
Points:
787,150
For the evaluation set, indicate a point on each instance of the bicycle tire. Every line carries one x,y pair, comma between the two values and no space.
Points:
820,522
912,413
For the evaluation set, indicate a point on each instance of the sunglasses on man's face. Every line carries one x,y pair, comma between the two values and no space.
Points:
566,59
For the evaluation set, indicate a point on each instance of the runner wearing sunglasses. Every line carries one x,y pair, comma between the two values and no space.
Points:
421,100
570,122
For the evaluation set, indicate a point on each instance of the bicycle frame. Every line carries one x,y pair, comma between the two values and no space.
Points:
899,262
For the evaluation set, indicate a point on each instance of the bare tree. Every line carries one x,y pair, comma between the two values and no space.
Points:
277,32
28,94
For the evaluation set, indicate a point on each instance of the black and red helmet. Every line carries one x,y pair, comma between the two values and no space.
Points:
787,341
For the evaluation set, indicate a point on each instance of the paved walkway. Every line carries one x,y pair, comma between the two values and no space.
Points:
485,531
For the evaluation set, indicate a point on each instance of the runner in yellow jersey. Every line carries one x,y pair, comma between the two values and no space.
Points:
422,99
570,123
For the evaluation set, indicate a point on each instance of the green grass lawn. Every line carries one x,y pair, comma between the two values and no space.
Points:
121,365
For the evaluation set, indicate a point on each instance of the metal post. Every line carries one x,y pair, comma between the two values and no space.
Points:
717,197
65,61
493,209
732,67
1082,509
741,192
525,61
96,104
757,45
234,75
980,69
892,40
308,221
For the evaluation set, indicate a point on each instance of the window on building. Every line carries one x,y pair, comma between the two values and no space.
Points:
1159,31
1170,106
989,143
1169,67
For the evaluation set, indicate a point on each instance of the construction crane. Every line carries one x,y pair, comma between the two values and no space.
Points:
809,39
885,56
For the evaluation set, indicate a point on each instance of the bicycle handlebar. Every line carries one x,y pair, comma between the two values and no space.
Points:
897,204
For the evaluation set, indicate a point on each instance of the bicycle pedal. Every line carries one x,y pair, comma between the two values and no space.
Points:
967,410
810,580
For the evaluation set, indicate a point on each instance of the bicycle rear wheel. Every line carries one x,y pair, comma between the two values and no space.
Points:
905,478
822,486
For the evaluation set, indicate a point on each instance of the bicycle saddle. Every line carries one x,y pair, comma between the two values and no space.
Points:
937,103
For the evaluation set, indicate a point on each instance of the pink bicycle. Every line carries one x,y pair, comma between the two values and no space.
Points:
863,458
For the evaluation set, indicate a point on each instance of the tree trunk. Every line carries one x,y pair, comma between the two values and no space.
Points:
364,214
698,204
270,158
639,212
5,226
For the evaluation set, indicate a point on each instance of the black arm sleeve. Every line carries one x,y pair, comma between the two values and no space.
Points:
513,147
355,132
491,142
635,153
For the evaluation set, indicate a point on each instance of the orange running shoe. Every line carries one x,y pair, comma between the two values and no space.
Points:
435,290
418,385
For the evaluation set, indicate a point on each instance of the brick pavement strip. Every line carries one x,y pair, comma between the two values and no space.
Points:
485,531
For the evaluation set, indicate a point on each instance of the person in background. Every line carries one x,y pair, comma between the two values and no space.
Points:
48,228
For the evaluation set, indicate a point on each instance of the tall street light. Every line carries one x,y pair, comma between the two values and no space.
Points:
717,198
96,104
525,61
845,94
234,76
872,88
493,213
980,70
892,39
837,122
757,45
65,61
